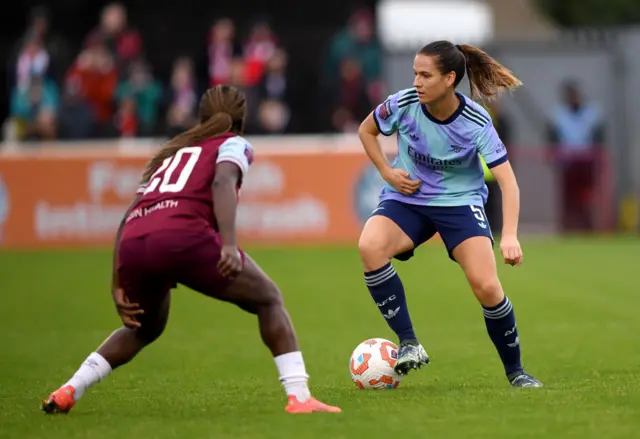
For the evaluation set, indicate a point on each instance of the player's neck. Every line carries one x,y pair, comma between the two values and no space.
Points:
445,107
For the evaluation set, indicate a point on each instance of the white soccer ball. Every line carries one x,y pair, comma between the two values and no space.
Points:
372,363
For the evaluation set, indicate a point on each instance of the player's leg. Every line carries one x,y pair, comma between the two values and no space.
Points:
468,238
118,349
152,292
125,343
256,293
393,230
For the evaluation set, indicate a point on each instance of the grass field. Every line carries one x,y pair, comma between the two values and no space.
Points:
577,303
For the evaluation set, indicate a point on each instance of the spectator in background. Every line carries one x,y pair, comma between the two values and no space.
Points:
353,103
34,104
273,117
96,77
274,84
576,136
258,50
358,42
51,57
33,61
221,51
124,43
140,95
181,97
77,118
237,73
126,119
275,96
237,76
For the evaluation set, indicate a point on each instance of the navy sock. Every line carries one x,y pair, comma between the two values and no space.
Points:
386,289
501,326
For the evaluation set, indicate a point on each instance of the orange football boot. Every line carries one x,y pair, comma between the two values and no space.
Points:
309,406
60,401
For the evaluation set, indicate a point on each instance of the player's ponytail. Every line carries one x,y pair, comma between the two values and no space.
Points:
222,109
487,77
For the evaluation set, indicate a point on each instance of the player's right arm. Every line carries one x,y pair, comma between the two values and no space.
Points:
384,120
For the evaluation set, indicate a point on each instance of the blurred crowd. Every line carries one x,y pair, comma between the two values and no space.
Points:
109,90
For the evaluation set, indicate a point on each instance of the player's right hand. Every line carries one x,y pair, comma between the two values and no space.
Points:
127,310
399,179
230,264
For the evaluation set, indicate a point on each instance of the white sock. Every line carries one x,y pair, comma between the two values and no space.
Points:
93,370
293,375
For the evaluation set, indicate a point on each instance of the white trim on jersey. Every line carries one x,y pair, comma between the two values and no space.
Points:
236,150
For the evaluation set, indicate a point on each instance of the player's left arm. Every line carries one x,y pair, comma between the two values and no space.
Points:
232,163
225,200
495,156
510,197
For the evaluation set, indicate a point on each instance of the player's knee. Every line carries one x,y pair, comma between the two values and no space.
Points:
487,290
148,334
373,250
270,295
151,330
273,295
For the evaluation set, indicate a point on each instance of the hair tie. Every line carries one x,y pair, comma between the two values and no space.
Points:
459,47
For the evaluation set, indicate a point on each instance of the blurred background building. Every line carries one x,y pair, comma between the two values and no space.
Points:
93,75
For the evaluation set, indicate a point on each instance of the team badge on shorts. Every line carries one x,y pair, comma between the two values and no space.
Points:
385,110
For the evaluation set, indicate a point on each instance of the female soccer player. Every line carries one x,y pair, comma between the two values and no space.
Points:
436,184
181,229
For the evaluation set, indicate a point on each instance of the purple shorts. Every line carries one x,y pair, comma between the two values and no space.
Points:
150,266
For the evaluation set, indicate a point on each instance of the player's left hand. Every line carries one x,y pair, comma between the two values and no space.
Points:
511,250
230,264
128,311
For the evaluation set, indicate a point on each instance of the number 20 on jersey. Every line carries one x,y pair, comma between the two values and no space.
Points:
161,179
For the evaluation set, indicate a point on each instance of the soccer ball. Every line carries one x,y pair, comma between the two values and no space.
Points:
372,363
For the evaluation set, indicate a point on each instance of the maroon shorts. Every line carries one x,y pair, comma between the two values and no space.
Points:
149,266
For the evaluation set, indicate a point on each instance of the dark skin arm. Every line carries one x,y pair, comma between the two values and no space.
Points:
225,202
127,311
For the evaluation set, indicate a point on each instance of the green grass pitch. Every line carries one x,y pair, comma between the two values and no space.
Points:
577,302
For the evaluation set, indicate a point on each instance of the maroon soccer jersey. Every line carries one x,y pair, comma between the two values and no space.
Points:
178,194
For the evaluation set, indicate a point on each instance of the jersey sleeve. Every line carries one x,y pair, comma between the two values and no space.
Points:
387,115
491,147
236,150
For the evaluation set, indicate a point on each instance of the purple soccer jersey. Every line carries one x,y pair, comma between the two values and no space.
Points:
444,155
